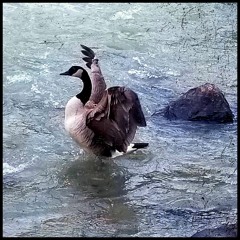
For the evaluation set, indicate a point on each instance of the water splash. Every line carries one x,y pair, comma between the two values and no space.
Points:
7,169
125,15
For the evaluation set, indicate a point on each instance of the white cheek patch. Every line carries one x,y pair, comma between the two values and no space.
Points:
78,73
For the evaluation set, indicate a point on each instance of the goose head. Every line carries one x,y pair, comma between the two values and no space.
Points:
75,71
79,72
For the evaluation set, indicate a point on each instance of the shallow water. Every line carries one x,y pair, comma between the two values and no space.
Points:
187,178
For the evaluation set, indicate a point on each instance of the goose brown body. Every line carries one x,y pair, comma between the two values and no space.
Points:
102,120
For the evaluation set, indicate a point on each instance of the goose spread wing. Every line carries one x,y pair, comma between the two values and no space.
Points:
115,118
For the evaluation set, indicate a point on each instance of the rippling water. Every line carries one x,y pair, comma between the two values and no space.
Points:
184,182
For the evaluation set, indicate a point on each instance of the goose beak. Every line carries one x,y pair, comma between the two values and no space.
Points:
65,73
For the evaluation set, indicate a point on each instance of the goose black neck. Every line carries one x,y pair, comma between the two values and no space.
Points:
85,94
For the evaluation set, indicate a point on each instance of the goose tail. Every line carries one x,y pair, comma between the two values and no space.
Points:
138,145
131,148
135,146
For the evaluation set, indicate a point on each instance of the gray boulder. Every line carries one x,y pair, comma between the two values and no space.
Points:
203,103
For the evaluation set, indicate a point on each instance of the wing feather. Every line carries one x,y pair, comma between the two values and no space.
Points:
116,117
90,55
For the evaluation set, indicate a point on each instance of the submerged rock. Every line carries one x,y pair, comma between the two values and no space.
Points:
226,230
203,103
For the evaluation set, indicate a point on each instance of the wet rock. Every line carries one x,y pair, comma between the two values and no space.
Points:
203,103
226,230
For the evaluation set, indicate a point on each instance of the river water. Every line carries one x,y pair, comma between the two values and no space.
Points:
185,181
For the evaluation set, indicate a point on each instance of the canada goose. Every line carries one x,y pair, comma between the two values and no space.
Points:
102,121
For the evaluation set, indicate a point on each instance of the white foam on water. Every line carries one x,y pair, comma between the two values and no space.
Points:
125,15
44,56
173,73
10,169
138,73
19,78
35,89
71,7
